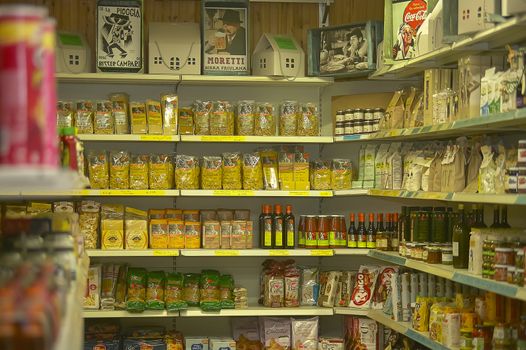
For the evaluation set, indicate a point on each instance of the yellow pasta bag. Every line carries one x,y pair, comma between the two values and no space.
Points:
119,170
192,234
98,169
211,173
158,233
321,175
232,171
308,120
139,125
153,114
169,109
341,174
176,234
288,118
252,171
120,104
84,117
160,172
186,172
104,123
139,171
222,119
186,121
202,110
136,229
112,226
245,117
265,121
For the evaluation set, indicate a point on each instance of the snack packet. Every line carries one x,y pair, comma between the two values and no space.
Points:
364,286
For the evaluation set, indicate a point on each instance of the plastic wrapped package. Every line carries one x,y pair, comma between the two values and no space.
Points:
174,292
136,229
89,216
160,172
98,169
169,109
341,174
245,119
202,110
231,171
176,234
292,287
186,172
139,171
269,160
309,286
158,233
84,117
211,234
487,171
192,234
209,291
119,170
222,118
238,234
288,118
252,171
191,289
309,120
138,121
226,289
321,175
136,286
92,297
211,173
112,226
120,105
276,333
186,121
265,120
226,234
155,286
305,333
65,114
104,123
120,289
110,274
154,117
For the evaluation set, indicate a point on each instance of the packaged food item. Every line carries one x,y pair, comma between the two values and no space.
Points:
158,233
273,286
139,169
222,344
153,115
249,235
276,333
120,106
209,290
103,123
176,214
286,171
119,170
196,343
65,114
174,292
364,286
245,118
186,172
331,343
136,286
343,298
292,287
246,327
309,286
226,290
89,216
155,285
252,171
186,121
222,119
288,118
211,173
308,120
176,234
321,175
112,226
98,169
240,298
139,124
238,234
202,110
211,234
328,287
174,341
421,314
301,172
231,171
169,109
363,332
84,117
269,159
191,289
383,286
64,207
110,273
161,168
341,174
136,229
226,233
305,333
92,297
192,233
265,122
120,290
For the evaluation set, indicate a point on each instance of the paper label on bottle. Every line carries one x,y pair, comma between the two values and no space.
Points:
268,238
290,239
279,239
455,249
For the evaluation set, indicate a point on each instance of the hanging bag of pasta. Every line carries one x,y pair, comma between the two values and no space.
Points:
288,118
309,122
211,173
252,171
265,121
186,172
232,171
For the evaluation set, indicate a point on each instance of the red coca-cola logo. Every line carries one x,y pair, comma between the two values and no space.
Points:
362,292
415,13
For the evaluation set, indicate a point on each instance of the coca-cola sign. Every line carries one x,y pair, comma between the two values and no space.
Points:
415,13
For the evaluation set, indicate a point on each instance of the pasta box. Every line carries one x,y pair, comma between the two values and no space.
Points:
196,343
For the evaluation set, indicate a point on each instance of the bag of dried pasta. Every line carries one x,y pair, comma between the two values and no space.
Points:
269,159
186,172
252,171
174,292
120,104
84,117
245,117
232,171
321,175
119,170
202,110
309,120
160,172
211,173
222,119
98,169
288,118
65,114
89,217
155,286
341,174
136,296
104,123
264,120
139,171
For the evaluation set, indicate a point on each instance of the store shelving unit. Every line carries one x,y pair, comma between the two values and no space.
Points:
251,193
128,138
99,253
256,252
126,314
261,311
257,139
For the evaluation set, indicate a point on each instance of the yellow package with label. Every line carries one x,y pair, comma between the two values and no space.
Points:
341,174
186,172
252,171
104,123
139,171
308,121
98,169
158,233
202,110
269,159
222,119
154,117
139,125
160,172
211,173
186,121
112,227
84,116
119,170
264,120
136,232
176,234
89,217
120,104
232,171
321,175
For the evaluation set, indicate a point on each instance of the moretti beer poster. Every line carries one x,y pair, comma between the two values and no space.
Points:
225,49
119,36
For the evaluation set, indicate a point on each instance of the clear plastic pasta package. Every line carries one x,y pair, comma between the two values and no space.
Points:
269,159
186,121
65,114
139,123
112,227
84,117
245,118
119,170
186,172
139,165
221,118
321,175
98,169
309,120
154,117
232,171
265,119
104,123
288,118
202,110
92,297
169,110
341,174
120,105
89,216
160,172
252,171
211,173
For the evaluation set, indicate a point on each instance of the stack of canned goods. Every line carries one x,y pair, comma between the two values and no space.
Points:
358,121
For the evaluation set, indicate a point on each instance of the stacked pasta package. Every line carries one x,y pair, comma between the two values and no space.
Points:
117,115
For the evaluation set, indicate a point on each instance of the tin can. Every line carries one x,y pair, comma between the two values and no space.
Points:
323,231
21,80
311,232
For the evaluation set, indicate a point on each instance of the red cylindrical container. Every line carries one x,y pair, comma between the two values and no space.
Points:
323,231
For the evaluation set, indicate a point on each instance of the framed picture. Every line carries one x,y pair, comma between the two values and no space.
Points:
225,39
346,51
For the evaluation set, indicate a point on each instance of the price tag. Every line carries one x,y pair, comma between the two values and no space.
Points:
278,252
226,252
233,193
321,252
325,194
132,192
394,132
299,193
166,252
156,138
433,195
207,138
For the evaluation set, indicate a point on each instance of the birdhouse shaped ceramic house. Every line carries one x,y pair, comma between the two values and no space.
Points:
174,48
278,55
72,53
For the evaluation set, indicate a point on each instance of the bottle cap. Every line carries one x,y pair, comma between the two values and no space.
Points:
277,209
289,208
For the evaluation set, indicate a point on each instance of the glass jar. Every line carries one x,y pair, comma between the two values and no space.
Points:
349,129
359,114
340,116
504,256
368,126
401,248
409,246
510,274
376,125
518,277
447,255
418,251
519,255
368,114
501,273
424,253
378,113
434,254
358,126
339,130
501,336
349,115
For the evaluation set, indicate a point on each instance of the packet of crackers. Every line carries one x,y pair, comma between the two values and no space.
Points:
383,286
362,294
